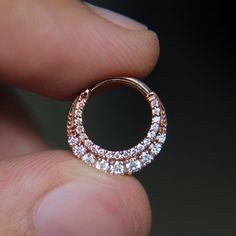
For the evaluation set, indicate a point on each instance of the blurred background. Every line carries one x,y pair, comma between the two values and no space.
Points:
192,184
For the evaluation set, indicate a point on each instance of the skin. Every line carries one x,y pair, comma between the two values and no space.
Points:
45,47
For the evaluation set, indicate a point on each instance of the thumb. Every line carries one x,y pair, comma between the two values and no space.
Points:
47,46
53,194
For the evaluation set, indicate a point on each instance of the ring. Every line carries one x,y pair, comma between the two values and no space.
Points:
124,162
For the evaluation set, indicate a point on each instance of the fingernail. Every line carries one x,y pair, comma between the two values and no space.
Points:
83,208
117,18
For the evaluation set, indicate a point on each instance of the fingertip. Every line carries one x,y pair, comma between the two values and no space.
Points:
65,46
92,203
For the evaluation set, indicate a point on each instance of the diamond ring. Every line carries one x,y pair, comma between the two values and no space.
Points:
123,162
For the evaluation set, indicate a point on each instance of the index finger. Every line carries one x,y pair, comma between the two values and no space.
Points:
56,48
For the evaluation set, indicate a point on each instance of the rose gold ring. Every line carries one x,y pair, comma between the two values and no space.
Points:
123,162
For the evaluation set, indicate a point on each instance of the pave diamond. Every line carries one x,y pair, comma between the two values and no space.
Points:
154,127
117,168
154,103
140,147
102,165
83,136
88,143
156,111
79,129
109,154
156,119
101,152
151,134
79,151
78,121
133,166
94,148
155,148
146,142
88,158
72,140
146,158
161,138
133,151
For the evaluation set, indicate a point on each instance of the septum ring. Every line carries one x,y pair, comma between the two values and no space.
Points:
124,162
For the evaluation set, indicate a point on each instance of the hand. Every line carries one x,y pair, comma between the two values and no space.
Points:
55,48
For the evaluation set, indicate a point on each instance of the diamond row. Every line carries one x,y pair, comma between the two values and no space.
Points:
113,166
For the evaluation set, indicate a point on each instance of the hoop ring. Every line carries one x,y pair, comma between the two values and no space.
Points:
124,162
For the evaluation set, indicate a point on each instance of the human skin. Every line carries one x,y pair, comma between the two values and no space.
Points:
55,48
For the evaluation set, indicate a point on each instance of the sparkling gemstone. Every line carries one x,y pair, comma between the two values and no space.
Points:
88,142
94,148
146,158
88,158
140,147
125,154
155,148
101,153
151,134
79,129
154,103
156,111
79,151
80,105
134,165
155,127
72,140
102,165
117,168
109,154
161,138
78,121
156,119
117,155
133,151
146,142
83,136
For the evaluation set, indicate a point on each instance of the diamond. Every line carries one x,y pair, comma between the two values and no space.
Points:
155,148
140,147
101,153
154,103
156,119
79,151
83,136
156,111
125,154
72,140
161,138
151,134
133,166
133,151
102,165
154,127
117,168
88,142
146,158
79,129
117,155
94,148
109,154
78,121
88,158
146,142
